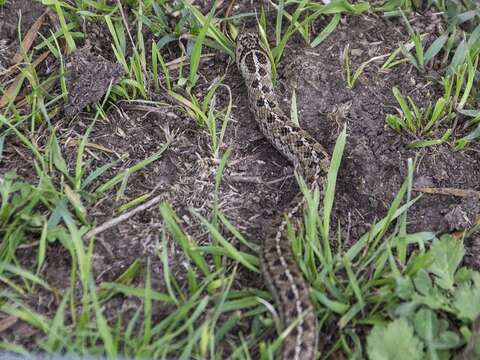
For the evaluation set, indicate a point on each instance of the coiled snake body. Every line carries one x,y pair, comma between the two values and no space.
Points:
279,268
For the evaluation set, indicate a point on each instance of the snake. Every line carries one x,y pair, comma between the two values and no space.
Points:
279,268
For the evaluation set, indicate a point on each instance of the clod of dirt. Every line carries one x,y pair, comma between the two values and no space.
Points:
463,215
88,77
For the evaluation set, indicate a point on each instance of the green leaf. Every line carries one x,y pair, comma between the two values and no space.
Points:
188,245
447,340
396,341
330,187
404,289
422,282
446,255
76,201
435,48
406,309
459,57
405,109
434,333
438,112
197,49
327,30
435,300
467,302
2,141
426,324
461,143
395,122
230,250
57,157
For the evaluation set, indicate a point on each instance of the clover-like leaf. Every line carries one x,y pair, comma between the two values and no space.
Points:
426,324
396,341
422,282
404,289
467,302
447,254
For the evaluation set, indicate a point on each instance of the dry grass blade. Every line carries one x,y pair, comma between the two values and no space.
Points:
91,145
115,221
7,322
28,39
26,44
223,25
20,77
449,191
183,60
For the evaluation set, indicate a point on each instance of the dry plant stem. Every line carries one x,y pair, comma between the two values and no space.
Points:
115,221
449,192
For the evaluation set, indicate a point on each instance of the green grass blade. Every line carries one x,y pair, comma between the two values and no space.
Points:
330,190
137,167
230,249
188,245
197,49
327,30
435,48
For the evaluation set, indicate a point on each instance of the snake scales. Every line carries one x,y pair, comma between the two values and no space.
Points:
282,275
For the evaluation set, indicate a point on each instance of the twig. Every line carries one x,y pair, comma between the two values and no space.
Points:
246,179
115,221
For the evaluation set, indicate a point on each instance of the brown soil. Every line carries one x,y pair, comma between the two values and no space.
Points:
258,182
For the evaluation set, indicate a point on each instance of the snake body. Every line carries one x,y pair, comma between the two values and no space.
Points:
282,275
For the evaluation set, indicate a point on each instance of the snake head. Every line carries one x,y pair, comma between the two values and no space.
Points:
246,40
